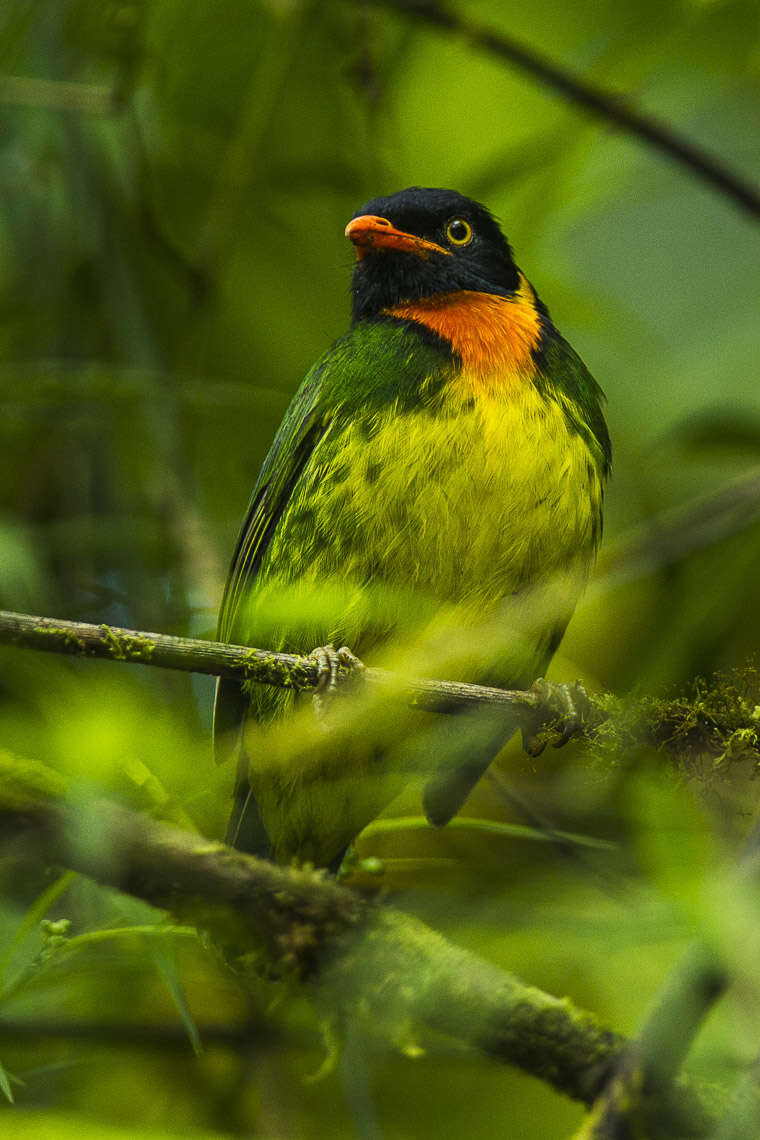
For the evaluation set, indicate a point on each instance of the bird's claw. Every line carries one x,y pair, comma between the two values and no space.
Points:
330,661
561,713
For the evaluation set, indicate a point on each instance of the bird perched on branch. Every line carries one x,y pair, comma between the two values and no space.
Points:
439,477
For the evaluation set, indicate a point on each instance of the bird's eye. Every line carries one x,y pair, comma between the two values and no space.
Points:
459,232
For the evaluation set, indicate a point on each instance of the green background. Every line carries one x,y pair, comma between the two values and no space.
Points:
175,178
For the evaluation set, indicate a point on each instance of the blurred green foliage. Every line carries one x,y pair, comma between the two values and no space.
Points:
175,177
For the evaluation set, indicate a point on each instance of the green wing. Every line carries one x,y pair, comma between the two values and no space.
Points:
372,366
301,429
375,365
562,375
297,437
303,426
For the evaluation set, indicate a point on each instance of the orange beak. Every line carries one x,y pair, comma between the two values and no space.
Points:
369,232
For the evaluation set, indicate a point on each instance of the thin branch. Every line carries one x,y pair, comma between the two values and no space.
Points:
286,670
590,96
714,721
696,983
357,957
674,535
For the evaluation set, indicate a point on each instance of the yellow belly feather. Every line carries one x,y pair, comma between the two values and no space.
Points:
453,543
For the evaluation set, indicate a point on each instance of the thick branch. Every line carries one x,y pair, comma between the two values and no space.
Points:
605,104
360,960
303,922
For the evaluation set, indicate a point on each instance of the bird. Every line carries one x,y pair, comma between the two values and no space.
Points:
448,456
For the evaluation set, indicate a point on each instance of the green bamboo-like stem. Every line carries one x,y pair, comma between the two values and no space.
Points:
650,1063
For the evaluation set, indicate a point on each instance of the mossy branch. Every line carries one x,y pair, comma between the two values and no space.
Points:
719,720
260,666
356,957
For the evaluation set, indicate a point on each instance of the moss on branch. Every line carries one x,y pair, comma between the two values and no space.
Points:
713,726
360,960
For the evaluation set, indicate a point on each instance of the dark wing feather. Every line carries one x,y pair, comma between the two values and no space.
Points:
299,433
303,426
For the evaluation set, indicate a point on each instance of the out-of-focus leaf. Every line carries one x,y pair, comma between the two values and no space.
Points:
32,919
168,970
66,1126
720,429
5,1084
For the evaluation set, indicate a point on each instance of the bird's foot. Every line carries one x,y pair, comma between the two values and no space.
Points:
561,713
335,667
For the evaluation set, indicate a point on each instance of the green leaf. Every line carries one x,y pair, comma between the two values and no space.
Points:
5,1083
167,968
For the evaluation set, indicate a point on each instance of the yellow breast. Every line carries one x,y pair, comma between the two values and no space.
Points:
451,519
459,543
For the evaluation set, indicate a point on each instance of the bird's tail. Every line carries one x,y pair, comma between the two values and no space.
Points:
245,829
473,746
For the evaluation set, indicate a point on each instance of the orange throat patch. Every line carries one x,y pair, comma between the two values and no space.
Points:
493,336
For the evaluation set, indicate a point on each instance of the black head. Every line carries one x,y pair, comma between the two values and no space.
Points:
420,242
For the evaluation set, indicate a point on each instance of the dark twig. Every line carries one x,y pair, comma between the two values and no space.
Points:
591,97
364,69
672,537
